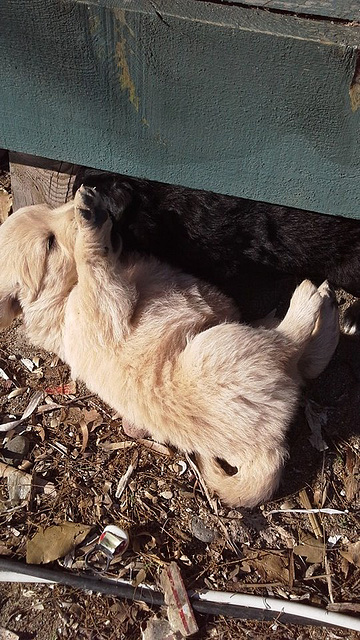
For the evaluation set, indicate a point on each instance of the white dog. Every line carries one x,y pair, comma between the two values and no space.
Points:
163,348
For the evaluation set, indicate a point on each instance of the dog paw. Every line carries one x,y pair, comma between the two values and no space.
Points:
306,299
327,291
89,206
351,322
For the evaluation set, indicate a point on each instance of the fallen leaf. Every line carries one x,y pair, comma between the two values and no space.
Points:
92,417
310,548
19,391
55,542
115,446
139,578
85,435
270,565
352,553
157,447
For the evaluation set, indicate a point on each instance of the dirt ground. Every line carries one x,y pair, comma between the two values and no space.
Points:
75,444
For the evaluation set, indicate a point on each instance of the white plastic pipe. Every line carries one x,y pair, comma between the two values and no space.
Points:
297,609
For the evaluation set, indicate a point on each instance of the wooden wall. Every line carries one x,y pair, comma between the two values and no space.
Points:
256,102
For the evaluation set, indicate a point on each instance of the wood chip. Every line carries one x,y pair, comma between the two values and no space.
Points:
180,613
122,484
116,446
314,520
157,447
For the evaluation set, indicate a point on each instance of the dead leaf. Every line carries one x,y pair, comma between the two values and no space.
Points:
92,417
157,447
55,542
85,435
115,446
310,548
139,578
270,565
352,553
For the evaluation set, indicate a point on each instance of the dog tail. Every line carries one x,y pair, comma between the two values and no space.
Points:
252,482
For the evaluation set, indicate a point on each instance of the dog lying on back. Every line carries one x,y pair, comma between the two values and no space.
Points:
162,348
254,252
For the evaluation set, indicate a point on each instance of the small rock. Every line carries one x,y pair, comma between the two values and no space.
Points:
201,531
156,629
16,449
167,495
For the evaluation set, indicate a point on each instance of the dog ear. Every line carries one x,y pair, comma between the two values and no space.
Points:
9,309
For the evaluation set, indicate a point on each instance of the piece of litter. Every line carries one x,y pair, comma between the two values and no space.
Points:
29,364
329,511
62,389
180,613
18,482
112,541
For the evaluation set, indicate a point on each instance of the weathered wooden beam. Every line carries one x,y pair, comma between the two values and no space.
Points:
347,10
236,99
38,180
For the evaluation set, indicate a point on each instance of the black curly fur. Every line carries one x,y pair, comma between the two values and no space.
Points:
253,251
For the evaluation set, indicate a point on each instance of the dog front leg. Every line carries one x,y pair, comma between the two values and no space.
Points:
105,295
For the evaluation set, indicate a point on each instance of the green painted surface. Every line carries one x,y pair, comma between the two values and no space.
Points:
231,99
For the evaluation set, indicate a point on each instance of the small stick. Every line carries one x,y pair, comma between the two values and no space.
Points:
123,482
328,579
305,502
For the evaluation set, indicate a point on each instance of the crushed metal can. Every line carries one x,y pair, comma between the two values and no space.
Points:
112,541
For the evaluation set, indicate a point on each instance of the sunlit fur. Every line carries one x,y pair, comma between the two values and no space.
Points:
162,348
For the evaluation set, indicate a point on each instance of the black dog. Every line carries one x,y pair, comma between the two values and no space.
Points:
253,251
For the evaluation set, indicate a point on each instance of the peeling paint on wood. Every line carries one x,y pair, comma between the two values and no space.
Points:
126,81
333,9
355,86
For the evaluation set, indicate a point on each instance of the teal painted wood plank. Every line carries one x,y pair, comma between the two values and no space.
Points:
333,9
230,99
